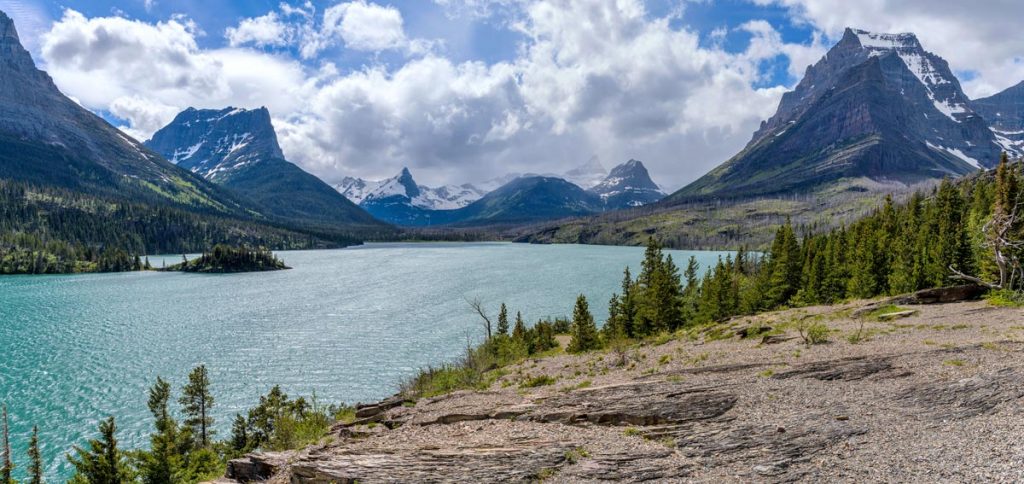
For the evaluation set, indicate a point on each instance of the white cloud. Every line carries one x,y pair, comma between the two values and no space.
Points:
984,37
366,26
357,25
591,76
267,30
137,70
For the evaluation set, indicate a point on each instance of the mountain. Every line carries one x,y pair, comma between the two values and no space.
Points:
527,199
628,185
49,140
586,175
237,149
1005,114
877,107
400,200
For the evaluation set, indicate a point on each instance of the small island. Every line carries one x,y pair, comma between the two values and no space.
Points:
227,259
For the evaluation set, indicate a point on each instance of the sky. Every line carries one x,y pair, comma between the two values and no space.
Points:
466,90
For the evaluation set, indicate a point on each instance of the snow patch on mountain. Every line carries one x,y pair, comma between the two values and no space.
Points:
401,186
920,63
955,152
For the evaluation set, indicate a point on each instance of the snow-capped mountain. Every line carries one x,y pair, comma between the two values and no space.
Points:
216,143
628,185
1005,114
237,148
586,175
877,106
447,197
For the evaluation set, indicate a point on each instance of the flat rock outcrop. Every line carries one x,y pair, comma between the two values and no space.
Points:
887,408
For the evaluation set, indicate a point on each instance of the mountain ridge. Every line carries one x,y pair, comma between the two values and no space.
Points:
238,149
877,106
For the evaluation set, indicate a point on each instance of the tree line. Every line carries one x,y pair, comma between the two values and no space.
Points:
47,230
971,230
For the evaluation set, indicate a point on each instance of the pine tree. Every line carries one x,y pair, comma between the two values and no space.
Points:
35,469
583,330
627,304
503,320
519,330
240,434
163,460
102,462
691,292
196,402
6,465
785,266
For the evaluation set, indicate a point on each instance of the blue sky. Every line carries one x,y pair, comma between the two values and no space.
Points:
464,90
465,37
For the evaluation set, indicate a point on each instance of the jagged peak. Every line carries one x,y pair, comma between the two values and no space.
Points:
11,49
7,29
883,41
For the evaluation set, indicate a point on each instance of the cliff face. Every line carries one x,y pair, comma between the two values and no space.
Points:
728,403
237,148
877,106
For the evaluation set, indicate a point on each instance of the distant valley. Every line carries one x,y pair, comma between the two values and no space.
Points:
512,199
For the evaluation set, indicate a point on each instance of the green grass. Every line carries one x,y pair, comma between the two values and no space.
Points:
954,362
887,309
538,381
1006,298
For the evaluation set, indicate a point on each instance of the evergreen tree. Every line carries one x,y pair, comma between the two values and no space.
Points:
503,320
240,434
627,304
519,330
614,327
164,458
196,402
102,462
583,329
691,292
785,266
35,469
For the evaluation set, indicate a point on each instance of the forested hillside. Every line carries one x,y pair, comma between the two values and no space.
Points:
50,230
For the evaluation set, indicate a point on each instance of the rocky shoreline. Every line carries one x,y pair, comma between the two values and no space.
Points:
931,395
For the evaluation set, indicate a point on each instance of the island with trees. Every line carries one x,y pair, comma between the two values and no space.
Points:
228,259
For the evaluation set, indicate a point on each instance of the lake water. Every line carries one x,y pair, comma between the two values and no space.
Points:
347,324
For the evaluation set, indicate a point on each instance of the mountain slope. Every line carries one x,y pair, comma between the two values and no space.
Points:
876,107
238,149
48,139
528,199
1005,114
627,185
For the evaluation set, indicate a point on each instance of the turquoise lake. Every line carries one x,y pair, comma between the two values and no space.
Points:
346,324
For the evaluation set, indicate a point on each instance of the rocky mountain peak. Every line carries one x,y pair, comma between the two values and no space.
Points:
8,32
215,143
13,54
880,41
412,190
628,185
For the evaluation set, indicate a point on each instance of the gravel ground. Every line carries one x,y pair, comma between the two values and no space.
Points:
932,397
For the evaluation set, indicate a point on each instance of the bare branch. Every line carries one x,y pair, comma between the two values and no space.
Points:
478,307
961,276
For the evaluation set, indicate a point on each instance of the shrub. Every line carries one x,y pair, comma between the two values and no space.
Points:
1006,298
538,381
